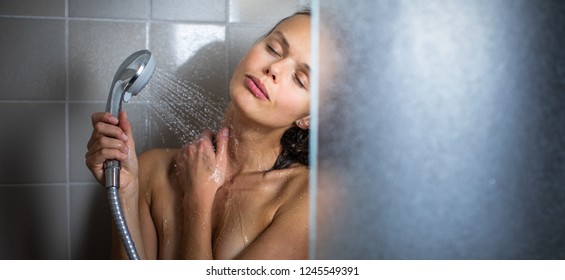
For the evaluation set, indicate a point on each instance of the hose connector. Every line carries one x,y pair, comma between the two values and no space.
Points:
112,173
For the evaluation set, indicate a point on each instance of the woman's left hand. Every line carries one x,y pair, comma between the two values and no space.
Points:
201,169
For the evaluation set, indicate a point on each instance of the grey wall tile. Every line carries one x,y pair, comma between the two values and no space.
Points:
32,7
261,11
189,10
32,146
119,9
176,121
193,58
195,53
33,59
242,37
90,222
166,133
34,222
96,49
80,130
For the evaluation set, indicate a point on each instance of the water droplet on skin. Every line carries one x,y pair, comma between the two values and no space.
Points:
216,176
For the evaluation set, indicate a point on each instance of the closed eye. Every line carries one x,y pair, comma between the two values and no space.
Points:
272,50
300,80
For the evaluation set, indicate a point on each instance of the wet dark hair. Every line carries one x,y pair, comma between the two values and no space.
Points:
294,142
294,148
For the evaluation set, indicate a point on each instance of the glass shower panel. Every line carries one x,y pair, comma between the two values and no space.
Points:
441,130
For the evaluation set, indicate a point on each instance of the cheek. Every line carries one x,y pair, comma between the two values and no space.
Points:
251,58
296,105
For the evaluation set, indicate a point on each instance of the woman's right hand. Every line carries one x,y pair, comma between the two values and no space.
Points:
202,167
112,138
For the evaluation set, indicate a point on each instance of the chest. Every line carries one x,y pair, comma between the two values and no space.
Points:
240,216
241,212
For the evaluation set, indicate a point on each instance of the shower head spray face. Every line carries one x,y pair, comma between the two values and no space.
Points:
130,78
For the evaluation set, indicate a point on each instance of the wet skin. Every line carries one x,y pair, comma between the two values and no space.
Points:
216,198
243,208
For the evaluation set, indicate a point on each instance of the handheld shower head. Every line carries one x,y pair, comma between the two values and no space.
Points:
131,77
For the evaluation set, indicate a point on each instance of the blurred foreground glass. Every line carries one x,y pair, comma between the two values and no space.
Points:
441,130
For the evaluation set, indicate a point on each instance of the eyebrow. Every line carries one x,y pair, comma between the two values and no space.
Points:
306,68
281,36
286,45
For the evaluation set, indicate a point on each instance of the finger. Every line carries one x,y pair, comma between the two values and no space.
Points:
125,125
97,158
204,144
109,143
104,117
222,141
102,129
181,154
206,136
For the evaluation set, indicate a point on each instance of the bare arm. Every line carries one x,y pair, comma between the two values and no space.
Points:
149,164
113,139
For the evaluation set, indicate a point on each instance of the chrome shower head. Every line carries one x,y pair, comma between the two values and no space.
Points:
130,78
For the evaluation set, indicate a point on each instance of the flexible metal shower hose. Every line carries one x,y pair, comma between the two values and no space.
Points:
120,223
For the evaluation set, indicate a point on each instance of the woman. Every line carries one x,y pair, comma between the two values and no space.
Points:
241,193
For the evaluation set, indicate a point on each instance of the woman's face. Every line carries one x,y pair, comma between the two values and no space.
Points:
270,85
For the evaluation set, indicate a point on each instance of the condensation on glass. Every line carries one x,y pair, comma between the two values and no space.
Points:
441,130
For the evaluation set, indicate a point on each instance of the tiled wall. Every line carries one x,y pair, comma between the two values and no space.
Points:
57,60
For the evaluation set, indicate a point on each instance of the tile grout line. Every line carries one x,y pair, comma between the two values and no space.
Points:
67,131
110,19
148,26
227,30
148,23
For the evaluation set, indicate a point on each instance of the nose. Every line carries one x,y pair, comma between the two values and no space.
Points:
274,70
271,73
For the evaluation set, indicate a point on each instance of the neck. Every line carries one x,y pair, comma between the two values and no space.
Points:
252,148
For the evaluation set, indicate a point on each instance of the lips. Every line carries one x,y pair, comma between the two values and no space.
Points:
256,87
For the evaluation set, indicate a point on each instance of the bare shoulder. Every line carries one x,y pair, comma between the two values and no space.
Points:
156,157
294,190
154,167
296,178
155,162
